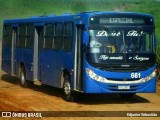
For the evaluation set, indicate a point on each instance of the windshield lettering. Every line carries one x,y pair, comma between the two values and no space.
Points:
105,57
139,58
134,33
106,34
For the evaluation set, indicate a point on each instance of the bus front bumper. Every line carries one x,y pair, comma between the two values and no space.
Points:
101,85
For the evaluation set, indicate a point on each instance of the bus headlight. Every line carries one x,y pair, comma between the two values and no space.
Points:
94,76
151,76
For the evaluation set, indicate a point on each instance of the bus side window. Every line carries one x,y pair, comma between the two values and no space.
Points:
148,42
49,36
29,36
58,38
68,36
7,35
21,36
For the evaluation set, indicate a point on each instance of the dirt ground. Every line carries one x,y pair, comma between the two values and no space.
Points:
45,98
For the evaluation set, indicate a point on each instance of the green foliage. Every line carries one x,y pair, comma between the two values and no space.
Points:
27,8
158,53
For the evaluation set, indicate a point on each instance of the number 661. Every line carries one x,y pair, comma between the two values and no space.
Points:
135,75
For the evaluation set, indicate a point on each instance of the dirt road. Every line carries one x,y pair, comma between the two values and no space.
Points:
15,98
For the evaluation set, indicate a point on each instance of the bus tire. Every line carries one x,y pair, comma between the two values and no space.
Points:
23,81
67,93
126,95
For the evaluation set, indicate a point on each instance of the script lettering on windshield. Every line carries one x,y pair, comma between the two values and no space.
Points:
134,33
104,33
105,57
138,58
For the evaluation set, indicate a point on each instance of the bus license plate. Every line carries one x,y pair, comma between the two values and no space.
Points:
123,87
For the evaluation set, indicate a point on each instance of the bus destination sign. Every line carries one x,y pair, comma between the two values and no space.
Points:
121,21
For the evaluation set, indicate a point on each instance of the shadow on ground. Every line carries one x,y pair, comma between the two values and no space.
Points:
81,98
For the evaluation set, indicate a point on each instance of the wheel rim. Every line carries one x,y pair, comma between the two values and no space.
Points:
67,88
22,78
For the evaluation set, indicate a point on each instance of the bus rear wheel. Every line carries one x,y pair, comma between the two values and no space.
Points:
23,81
67,93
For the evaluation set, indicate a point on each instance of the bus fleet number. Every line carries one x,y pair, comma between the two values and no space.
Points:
135,75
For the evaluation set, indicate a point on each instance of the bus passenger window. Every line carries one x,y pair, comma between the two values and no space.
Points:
68,37
49,36
58,38
7,35
21,36
29,39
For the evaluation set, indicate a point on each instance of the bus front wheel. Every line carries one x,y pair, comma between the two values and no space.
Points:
67,93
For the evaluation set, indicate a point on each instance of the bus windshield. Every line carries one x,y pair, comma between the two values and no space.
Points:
113,40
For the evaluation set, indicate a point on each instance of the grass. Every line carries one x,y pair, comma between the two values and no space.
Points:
26,8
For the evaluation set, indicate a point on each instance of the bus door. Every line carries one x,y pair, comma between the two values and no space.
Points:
78,62
38,46
6,49
13,57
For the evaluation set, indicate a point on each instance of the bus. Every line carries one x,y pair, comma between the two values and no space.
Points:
88,52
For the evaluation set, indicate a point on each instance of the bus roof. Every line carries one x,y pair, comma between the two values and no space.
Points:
71,17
